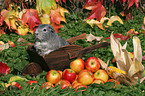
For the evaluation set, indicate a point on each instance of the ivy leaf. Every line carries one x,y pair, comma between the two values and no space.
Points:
31,17
98,11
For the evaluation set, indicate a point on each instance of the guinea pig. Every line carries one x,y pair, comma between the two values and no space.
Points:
47,40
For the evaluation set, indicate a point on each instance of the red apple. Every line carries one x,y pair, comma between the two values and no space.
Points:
76,84
85,77
47,85
53,76
69,74
64,84
60,72
80,86
98,81
92,64
101,74
77,65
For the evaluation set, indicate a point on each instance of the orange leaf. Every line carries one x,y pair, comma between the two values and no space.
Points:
56,16
31,17
98,11
56,27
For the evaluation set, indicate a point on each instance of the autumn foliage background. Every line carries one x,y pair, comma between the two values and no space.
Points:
98,18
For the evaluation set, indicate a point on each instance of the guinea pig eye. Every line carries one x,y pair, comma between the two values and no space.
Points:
44,30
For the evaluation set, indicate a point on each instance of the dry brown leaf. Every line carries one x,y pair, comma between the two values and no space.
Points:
90,37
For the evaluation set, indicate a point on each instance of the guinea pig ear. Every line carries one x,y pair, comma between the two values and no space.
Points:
51,29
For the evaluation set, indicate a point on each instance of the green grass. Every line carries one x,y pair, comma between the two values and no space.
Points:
17,57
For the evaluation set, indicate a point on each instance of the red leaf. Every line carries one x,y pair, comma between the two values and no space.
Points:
4,69
56,27
123,1
131,2
113,1
131,31
17,85
31,82
1,20
98,11
56,16
31,17
117,35
127,13
88,2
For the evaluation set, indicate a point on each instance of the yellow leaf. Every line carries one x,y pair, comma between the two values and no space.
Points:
62,11
103,19
93,22
45,19
114,18
22,30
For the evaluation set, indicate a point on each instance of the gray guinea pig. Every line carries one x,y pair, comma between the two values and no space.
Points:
47,40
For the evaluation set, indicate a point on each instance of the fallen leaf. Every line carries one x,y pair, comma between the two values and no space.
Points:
56,17
114,18
90,37
31,82
4,69
4,46
9,18
45,19
93,22
31,18
12,44
23,30
131,2
15,84
63,10
127,13
21,40
44,6
56,27
16,78
98,11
